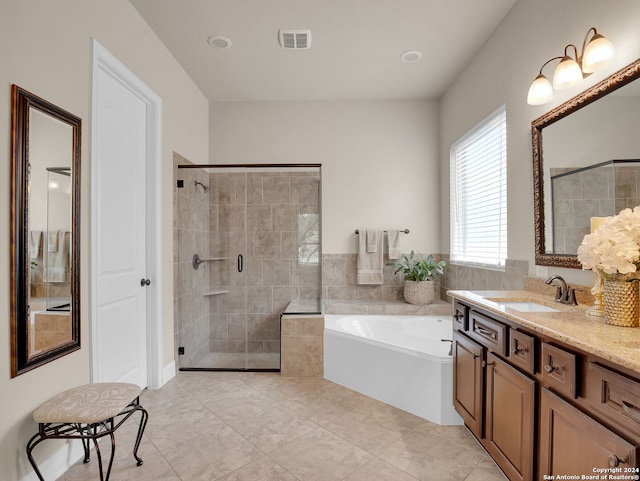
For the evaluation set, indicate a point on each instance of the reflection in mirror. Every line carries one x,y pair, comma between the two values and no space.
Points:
45,245
587,141
577,195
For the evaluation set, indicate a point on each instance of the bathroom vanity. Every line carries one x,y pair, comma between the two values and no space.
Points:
546,389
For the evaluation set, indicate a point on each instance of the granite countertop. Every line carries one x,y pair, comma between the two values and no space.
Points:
571,325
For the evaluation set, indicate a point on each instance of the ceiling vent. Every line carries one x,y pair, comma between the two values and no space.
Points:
296,39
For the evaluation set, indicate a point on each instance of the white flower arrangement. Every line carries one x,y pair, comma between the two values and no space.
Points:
614,248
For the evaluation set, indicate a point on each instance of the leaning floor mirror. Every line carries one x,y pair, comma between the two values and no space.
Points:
45,248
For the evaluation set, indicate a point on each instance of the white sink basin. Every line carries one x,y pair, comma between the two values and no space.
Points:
528,307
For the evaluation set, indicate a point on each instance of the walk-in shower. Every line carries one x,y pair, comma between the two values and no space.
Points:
247,249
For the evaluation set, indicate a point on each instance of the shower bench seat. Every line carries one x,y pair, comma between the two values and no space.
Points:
89,412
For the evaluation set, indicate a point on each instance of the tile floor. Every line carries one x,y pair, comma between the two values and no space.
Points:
224,426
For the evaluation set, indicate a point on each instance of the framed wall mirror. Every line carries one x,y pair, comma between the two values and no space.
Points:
585,165
45,219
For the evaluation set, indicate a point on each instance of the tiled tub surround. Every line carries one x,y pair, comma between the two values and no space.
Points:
302,345
339,284
190,236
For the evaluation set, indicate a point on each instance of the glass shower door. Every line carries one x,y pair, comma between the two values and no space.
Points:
261,257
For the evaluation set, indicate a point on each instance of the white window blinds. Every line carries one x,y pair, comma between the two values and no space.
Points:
479,194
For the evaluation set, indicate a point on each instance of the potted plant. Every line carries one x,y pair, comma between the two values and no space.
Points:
419,274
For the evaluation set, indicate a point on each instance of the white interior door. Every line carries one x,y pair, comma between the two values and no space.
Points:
119,228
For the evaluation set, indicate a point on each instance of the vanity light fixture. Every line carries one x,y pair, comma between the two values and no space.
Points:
570,71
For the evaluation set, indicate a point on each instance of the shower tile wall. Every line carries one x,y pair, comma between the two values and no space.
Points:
191,236
278,268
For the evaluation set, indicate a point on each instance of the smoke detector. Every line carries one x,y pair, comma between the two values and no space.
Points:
295,39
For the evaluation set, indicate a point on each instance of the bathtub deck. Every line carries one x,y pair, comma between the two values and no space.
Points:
392,307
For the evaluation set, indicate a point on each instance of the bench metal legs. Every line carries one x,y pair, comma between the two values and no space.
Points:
91,432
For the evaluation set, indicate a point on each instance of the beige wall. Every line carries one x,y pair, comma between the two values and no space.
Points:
379,160
45,48
501,72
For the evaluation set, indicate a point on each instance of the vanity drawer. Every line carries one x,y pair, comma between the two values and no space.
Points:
460,316
559,370
489,333
522,351
615,396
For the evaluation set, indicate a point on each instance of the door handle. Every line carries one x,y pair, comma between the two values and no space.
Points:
145,282
240,263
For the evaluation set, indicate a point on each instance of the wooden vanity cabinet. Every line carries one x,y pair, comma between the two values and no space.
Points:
571,443
539,407
510,415
496,400
468,382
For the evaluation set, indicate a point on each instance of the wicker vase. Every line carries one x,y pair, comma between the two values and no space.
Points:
621,303
419,293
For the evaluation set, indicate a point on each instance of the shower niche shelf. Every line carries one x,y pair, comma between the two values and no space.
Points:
214,293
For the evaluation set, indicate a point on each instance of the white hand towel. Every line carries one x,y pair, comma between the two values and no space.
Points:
52,240
369,264
35,244
58,261
393,240
372,240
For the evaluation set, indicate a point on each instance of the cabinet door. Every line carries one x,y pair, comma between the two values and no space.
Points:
571,443
468,381
509,424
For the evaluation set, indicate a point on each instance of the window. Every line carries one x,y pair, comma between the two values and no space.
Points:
308,239
479,194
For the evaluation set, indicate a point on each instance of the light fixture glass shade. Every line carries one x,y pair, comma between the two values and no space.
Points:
567,74
597,53
540,91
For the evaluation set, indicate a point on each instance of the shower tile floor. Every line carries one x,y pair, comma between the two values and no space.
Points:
238,426
232,360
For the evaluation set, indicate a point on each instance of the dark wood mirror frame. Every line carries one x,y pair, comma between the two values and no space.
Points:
613,82
22,102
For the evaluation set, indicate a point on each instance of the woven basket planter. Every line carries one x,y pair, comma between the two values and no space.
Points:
621,303
419,293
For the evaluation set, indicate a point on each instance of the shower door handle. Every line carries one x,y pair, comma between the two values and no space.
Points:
240,262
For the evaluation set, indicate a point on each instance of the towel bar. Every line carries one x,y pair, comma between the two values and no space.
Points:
405,231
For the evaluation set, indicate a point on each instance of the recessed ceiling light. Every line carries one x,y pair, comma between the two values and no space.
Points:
411,56
219,41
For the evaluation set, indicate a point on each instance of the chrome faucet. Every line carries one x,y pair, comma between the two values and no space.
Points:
564,294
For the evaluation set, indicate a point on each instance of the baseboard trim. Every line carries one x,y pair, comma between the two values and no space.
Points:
59,462
168,372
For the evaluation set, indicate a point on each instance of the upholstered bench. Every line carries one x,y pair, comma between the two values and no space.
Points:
89,412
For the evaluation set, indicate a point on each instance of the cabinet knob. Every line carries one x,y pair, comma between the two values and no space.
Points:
614,460
485,363
518,350
550,368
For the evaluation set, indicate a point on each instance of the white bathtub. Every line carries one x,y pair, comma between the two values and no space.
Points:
399,360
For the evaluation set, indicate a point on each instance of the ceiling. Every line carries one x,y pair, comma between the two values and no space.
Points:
355,45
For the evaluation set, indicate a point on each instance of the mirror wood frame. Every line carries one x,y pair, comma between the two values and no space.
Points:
22,102
619,79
